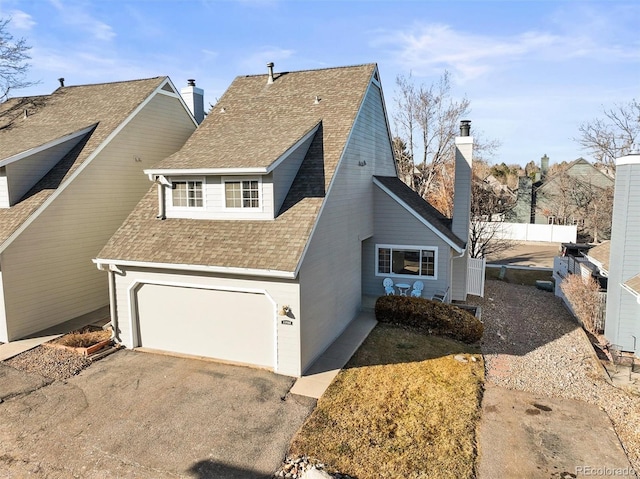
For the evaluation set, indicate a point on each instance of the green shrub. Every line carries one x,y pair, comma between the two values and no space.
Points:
430,316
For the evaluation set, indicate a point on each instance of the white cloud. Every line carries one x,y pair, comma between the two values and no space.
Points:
21,20
74,15
428,49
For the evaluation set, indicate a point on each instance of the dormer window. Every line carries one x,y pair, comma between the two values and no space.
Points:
187,194
242,193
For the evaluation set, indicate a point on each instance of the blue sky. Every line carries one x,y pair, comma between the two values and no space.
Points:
533,70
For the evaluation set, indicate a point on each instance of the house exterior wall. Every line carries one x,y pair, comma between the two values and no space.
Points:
330,275
283,292
47,270
623,311
395,225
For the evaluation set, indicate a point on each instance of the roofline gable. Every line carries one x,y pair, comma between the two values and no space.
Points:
418,216
151,172
84,164
46,146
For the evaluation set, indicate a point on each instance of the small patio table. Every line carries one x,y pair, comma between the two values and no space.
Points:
403,288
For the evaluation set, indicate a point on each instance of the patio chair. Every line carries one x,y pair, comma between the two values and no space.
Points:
388,286
440,295
416,292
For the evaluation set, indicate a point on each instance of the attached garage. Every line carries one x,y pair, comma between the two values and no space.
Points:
224,324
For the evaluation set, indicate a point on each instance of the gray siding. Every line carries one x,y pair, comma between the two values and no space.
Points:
395,225
47,271
331,273
285,173
23,174
623,312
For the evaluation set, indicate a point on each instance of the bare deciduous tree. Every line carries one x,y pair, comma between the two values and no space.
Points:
613,135
14,55
487,205
427,119
576,200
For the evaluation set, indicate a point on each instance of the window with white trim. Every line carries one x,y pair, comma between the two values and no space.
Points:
242,194
187,194
409,261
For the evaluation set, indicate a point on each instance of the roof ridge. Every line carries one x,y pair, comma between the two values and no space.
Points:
111,82
309,70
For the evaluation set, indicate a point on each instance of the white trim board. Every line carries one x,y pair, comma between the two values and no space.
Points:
46,146
268,273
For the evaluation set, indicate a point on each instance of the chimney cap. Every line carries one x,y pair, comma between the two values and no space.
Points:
191,82
61,80
465,127
270,71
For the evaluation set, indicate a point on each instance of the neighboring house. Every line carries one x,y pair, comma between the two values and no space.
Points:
70,172
560,198
590,262
622,327
263,233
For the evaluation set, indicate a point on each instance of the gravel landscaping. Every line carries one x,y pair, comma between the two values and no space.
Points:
532,343
51,363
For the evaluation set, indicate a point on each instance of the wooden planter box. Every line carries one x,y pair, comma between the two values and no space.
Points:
84,351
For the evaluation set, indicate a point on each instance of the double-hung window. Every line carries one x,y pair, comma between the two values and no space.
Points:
242,193
398,260
187,194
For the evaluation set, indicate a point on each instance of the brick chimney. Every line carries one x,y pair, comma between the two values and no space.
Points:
194,98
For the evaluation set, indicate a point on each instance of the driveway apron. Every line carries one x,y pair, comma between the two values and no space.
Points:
144,415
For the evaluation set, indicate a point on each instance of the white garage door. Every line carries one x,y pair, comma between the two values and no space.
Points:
227,325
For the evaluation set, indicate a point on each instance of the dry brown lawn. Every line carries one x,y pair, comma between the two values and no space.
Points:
520,276
402,408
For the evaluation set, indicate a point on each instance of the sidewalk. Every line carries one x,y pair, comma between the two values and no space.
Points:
317,378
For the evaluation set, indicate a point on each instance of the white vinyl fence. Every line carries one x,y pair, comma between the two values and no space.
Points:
475,276
533,232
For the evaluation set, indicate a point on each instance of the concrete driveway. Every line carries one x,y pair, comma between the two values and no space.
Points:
143,415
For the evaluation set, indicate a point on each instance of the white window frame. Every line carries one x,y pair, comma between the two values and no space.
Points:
240,179
184,179
391,247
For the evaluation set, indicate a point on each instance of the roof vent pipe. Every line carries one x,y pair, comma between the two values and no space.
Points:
270,70
465,127
61,80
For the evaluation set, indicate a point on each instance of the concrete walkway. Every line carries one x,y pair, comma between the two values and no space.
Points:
317,378
99,318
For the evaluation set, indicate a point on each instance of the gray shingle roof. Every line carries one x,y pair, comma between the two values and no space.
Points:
67,110
601,253
414,201
634,284
260,123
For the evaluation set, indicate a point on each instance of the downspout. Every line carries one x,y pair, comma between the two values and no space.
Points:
161,204
112,306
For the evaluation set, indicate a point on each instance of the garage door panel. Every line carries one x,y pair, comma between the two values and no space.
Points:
228,325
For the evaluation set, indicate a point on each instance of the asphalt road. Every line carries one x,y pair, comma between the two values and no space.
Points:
143,415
